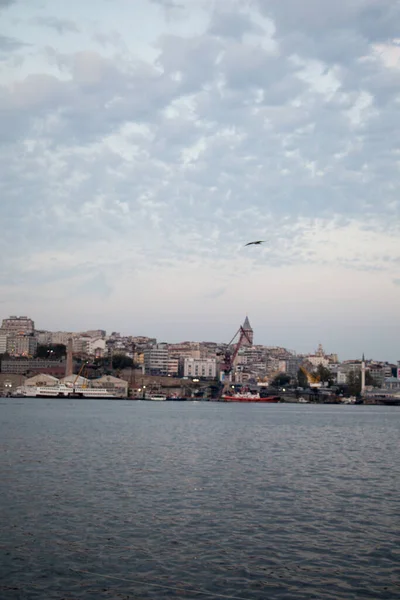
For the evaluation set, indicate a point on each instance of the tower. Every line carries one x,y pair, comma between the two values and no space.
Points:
363,375
249,332
69,369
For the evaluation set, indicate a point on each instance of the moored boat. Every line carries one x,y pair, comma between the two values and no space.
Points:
63,391
157,397
249,397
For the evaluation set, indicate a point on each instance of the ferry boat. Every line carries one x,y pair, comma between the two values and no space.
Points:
249,397
62,391
157,397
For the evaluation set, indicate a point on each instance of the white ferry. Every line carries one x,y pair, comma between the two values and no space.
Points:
157,397
63,391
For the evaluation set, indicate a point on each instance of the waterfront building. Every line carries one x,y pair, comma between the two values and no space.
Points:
41,380
392,384
75,380
200,367
9,382
23,366
117,386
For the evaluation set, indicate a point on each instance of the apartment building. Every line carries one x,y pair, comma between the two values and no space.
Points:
200,368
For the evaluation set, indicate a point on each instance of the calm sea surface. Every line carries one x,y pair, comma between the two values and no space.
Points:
121,499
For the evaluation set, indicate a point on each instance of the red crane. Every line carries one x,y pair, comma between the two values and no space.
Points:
230,354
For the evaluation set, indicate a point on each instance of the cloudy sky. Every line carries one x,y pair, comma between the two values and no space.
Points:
144,142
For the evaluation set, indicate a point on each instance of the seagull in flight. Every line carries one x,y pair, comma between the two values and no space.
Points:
256,243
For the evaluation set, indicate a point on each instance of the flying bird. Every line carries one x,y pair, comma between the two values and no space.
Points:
256,243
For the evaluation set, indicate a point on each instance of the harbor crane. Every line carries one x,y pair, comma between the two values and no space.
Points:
314,381
230,354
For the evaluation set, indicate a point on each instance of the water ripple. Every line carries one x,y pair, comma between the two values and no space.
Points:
133,500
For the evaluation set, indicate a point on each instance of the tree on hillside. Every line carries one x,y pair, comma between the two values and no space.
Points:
120,361
325,375
354,382
369,380
281,379
302,379
55,351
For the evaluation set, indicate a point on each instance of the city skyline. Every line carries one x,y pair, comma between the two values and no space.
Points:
145,145
98,332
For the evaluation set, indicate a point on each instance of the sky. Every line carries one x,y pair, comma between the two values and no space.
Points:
144,143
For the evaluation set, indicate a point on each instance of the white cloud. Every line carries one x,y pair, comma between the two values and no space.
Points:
142,177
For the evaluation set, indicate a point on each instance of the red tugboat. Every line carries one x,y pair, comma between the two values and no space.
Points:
249,397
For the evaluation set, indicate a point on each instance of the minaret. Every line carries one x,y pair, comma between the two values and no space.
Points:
69,368
249,332
363,375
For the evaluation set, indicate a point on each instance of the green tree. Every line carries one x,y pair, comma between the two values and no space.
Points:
55,351
354,382
281,379
325,375
369,380
302,379
120,361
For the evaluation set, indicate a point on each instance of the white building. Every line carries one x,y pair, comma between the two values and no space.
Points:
184,350
18,326
61,337
21,345
75,380
96,347
252,354
41,380
341,377
80,344
156,360
116,386
275,365
95,333
3,343
173,366
43,337
203,367
316,360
